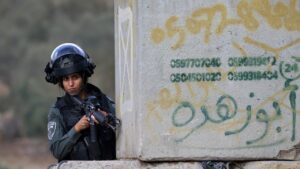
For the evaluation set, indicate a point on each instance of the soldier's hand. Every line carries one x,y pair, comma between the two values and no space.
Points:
82,124
104,113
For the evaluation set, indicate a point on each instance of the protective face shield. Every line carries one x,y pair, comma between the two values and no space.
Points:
66,59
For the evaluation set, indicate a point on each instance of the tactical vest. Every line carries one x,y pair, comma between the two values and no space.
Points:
104,148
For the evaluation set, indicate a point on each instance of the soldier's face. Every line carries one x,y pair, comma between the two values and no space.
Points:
73,83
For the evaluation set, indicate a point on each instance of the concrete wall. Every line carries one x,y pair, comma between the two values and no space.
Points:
126,76
198,79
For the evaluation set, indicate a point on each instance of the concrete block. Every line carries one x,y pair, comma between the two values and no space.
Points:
136,164
129,164
99,165
272,165
200,80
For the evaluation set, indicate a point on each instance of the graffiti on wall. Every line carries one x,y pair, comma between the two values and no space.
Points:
279,15
125,50
226,108
185,99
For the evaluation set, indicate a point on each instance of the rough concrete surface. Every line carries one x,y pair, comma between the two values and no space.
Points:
208,80
125,164
135,164
273,165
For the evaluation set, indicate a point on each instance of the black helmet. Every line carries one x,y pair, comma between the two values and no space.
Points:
66,59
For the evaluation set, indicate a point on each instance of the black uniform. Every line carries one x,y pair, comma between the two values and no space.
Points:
66,144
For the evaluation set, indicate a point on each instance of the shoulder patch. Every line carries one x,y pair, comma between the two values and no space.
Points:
51,129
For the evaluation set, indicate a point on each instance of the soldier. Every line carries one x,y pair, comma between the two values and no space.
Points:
68,126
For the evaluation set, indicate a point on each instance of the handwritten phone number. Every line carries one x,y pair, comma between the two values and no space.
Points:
252,75
217,76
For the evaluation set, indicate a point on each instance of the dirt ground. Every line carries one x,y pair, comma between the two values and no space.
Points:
25,153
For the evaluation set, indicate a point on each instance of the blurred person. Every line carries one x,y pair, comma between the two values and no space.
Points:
69,128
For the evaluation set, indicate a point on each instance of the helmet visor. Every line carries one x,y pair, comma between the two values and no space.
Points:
67,49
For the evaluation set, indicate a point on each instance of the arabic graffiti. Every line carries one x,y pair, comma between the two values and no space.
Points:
195,100
278,15
226,109
290,73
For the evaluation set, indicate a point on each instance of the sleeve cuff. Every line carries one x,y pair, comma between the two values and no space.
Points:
74,136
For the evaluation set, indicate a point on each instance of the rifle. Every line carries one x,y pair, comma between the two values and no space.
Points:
91,106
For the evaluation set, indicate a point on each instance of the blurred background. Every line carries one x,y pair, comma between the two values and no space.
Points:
29,31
